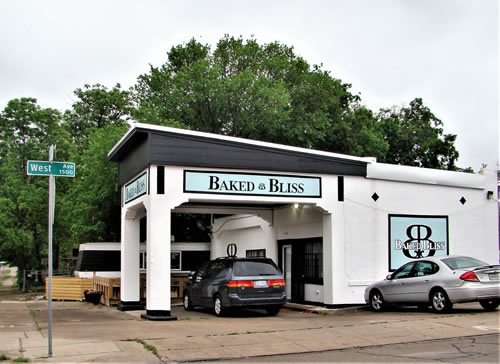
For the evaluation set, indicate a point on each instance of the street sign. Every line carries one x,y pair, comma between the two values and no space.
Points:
51,169
46,168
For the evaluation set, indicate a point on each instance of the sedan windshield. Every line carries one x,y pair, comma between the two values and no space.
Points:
463,262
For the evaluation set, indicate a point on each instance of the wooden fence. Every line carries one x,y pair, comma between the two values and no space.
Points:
68,288
110,288
71,289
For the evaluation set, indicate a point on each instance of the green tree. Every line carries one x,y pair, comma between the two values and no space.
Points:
244,89
26,132
415,137
96,107
98,119
93,203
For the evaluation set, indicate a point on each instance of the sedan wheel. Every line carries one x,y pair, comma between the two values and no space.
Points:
440,302
489,305
218,306
377,301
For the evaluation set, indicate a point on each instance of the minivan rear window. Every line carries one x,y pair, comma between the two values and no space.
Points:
255,268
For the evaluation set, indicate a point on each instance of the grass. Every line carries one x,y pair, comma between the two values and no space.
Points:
4,357
33,316
151,348
5,275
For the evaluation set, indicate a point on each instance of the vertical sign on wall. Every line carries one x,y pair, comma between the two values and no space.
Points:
136,188
412,237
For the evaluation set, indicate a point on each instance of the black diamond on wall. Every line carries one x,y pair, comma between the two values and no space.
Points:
463,200
375,197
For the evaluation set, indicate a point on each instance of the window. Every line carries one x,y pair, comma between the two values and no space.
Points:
425,269
143,229
404,271
255,253
175,260
313,261
463,262
200,273
142,260
249,268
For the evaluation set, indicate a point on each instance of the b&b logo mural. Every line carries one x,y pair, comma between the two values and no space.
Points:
419,244
413,237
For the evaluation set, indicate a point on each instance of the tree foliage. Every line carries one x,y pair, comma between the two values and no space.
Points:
95,202
26,132
94,108
415,137
263,92
98,119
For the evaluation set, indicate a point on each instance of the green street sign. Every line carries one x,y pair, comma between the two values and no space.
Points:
45,168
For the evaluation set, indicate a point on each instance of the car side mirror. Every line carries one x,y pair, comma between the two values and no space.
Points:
388,277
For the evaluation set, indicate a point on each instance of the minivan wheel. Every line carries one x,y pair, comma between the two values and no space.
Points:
489,305
273,311
218,306
377,303
440,301
188,305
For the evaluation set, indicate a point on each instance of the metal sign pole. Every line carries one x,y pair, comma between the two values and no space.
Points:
52,187
50,168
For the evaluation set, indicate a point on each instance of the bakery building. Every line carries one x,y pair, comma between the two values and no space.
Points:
333,223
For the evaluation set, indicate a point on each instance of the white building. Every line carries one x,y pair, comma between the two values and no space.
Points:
333,223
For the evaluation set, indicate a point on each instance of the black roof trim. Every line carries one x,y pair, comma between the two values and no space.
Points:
147,144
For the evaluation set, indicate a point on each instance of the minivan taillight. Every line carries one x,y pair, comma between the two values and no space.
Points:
276,282
240,284
469,276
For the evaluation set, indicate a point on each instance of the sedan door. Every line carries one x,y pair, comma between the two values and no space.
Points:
396,289
417,286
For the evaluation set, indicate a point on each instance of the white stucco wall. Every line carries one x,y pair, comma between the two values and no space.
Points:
472,227
360,229
248,232
299,223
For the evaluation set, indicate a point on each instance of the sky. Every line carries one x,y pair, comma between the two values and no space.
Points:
391,51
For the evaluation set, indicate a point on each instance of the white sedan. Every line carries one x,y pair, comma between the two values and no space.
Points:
438,281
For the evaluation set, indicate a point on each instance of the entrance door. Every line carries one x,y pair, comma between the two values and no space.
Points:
286,268
301,261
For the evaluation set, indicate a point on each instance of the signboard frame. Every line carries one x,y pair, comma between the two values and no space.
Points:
252,184
140,187
416,236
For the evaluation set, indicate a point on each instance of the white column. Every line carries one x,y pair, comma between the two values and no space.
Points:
158,260
327,259
130,275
